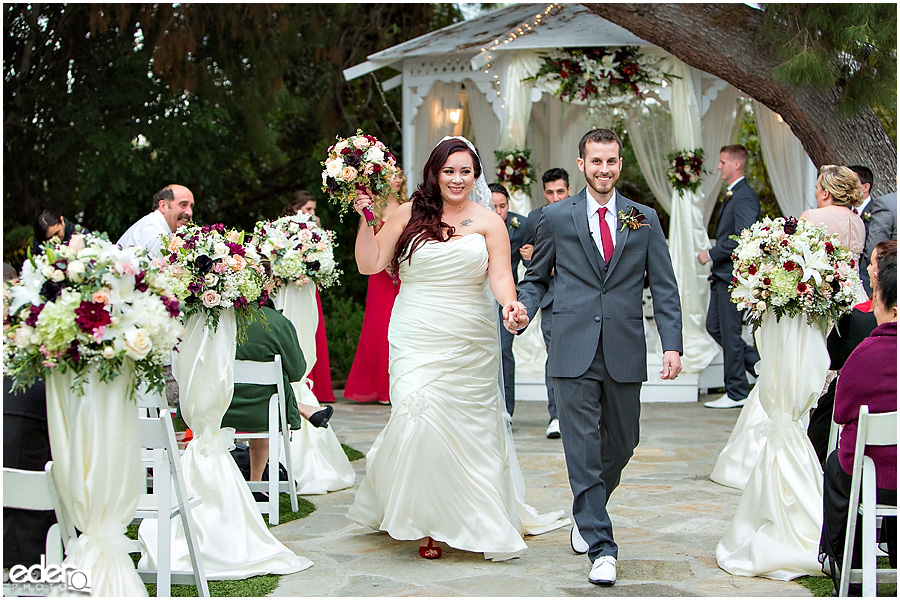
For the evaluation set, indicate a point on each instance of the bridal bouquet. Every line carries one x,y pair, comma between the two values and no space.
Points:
213,270
685,169
90,304
300,251
355,164
514,169
793,267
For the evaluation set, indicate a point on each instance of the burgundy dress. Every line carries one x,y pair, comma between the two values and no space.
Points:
320,374
369,380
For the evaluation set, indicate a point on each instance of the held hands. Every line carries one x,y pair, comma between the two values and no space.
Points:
515,316
671,366
363,200
526,251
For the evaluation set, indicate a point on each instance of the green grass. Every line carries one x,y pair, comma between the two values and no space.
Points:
262,585
822,587
352,453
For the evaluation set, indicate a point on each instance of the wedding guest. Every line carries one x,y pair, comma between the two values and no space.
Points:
598,370
866,181
555,182
368,379
869,377
26,446
303,202
724,321
265,337
173,206
838,192
516,230
848,332
48,225
442,469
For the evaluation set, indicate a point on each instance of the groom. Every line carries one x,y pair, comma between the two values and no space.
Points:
602,246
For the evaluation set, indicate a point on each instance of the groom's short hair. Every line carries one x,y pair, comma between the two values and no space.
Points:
598,136
738,153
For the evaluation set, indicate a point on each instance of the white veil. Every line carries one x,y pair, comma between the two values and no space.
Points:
481,194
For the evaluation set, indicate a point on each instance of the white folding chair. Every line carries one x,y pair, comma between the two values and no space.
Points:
35,490
270,373
160,453
872,430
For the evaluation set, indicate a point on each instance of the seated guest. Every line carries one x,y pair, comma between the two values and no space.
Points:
248,412
849,331
26,446
50,224
869,377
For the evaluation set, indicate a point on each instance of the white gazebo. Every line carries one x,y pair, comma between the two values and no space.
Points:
468,79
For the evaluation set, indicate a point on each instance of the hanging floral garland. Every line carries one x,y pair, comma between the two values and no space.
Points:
599,76
514,169
685,169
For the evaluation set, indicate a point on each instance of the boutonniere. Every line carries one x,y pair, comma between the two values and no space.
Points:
728,194
866,216
514,223
633,219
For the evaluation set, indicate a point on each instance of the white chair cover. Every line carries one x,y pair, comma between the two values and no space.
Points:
776,527
97,467
320,464
234,541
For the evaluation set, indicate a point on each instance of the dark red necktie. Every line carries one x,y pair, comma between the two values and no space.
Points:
605,235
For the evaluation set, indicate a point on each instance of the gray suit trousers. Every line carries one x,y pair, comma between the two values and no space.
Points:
546,330
597,412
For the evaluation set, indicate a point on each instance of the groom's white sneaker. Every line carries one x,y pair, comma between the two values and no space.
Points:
603,571
579,546
553,429
725,402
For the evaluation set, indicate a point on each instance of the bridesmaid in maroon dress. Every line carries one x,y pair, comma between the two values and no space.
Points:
368,380
320,375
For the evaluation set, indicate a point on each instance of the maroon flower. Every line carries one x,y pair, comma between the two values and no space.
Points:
801,287
33,312
171,305
236,248
90,316
752,270
240,302
139,283
790,265
766,281
73,353
790,225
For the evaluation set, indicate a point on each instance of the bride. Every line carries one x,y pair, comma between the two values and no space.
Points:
444,468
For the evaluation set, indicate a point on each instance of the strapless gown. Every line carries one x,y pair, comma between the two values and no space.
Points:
444,465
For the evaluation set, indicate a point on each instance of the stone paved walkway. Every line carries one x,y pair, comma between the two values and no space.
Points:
668,517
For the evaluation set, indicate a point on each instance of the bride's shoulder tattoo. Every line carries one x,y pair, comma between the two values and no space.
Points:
466,222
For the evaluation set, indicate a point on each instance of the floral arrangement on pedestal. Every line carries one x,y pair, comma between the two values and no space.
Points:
599,76
685,169
299,249
212,270
354,164
90,304
793,267
515,170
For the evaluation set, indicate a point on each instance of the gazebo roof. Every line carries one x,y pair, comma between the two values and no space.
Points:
570,25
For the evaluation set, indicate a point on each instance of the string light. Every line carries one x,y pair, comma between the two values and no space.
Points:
486,57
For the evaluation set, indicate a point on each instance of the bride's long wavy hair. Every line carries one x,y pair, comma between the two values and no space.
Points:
425,221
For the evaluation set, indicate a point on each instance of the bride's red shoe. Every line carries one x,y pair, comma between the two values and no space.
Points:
430,550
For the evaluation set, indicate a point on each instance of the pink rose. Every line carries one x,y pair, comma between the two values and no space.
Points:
210,299
237,262
100,297
220,267
76,242
348,174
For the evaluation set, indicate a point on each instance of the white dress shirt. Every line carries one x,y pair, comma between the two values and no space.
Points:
735,182
611,219
146,233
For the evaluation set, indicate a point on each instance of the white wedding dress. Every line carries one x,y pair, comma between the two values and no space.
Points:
444,466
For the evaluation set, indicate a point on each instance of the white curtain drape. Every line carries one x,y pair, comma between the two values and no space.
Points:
775,529
721,124
431,122
97,464
792,173
319,462
234,541
485,127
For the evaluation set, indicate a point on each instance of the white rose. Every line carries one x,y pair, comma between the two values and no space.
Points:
220,250
334,167
47,271
361,143
23,336
211,299
211,279
109,352
508,170
137,344
326,264
375,155
75,270
57,275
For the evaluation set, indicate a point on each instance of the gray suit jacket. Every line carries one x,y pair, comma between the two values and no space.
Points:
591,296
534,218
517,237
882,223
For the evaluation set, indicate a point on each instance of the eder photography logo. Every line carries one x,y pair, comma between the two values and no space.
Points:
44,578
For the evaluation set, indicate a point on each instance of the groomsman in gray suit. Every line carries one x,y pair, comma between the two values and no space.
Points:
864,210
515,226
602,246
880,218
